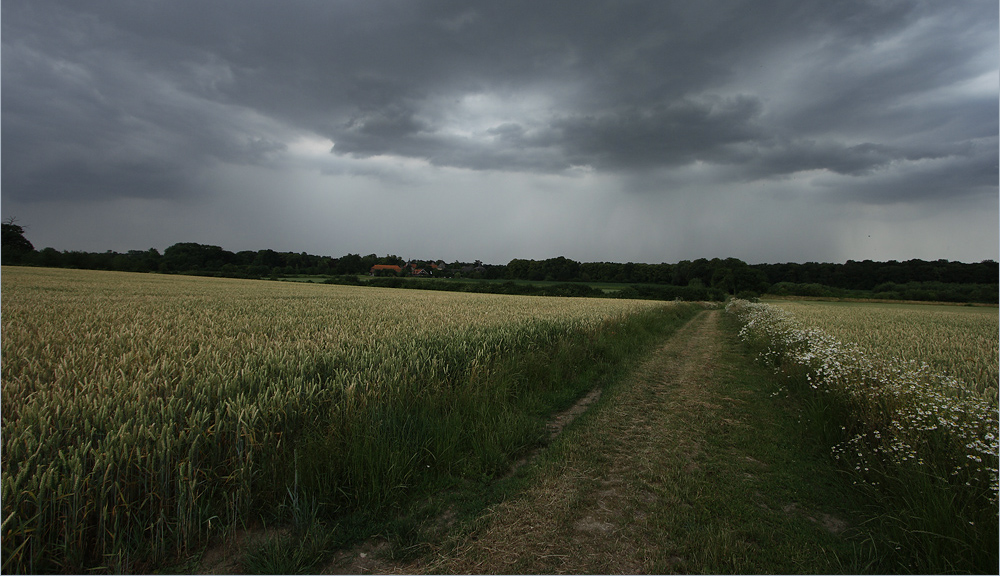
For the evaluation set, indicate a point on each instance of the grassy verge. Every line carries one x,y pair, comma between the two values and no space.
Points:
922,449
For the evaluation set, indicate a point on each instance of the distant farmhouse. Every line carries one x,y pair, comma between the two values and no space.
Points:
410,268
385,270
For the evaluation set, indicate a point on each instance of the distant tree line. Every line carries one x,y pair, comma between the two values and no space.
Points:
938,280
526,288
199,259
702,279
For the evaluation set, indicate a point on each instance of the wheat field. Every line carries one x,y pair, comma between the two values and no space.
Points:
152,409
959,341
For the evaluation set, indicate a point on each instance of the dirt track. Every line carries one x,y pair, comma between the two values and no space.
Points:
683,466
582,517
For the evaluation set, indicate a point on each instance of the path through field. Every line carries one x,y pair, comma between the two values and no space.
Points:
583,519
659,476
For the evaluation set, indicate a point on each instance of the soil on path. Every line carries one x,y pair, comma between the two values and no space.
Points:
588,515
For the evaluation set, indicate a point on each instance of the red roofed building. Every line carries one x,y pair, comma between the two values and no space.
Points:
385,269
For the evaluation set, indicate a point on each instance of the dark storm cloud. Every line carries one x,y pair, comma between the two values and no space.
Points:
968,171
678,132
876,81
86,115
786,157
133,99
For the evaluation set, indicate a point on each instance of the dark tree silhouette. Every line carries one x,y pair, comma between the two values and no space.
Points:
15,246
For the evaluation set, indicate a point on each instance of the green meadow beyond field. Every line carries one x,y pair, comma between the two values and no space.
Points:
172,424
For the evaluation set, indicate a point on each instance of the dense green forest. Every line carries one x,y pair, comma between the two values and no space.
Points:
701,279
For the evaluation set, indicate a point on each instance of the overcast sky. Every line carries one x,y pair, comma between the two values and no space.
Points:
645,131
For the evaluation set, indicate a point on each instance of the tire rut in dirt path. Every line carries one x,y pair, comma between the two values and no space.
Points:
589,509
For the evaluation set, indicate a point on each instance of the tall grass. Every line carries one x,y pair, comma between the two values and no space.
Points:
142,413
922,441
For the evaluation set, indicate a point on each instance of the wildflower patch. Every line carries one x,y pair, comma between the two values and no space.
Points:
904,415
